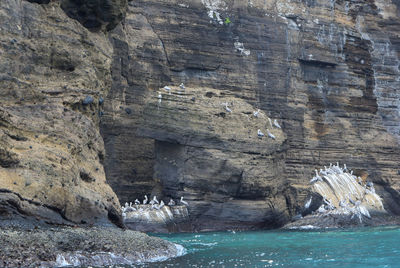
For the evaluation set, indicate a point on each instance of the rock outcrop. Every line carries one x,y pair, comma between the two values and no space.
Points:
159,220
53,74
328,71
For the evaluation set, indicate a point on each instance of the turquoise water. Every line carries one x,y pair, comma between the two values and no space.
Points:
366,247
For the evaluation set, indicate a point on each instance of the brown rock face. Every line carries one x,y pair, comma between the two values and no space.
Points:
328,71
53,72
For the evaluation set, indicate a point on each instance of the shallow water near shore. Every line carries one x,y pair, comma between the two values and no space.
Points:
361,247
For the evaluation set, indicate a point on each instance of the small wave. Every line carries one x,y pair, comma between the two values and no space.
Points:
180,250
107,258
205,244
304,227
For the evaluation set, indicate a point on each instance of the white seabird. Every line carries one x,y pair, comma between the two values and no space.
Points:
137,202
260,134
161,205
184,202
271,135
276,124
314,179
167,88
227,108
182,86
317,176
256,113
171,202
155,199
145,200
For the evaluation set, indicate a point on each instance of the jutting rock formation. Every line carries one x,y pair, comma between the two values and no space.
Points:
80,102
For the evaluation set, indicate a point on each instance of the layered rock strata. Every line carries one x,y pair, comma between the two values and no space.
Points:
326,70
54,74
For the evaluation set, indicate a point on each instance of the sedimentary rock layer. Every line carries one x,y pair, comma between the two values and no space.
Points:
53,74
328,71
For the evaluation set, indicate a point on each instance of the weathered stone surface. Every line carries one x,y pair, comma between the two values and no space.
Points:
164,220
327,70
96,14
51,151
81,247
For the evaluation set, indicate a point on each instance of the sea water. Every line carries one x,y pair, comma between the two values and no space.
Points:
363,247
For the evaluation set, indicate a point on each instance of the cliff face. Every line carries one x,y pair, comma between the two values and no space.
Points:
328,71
53,72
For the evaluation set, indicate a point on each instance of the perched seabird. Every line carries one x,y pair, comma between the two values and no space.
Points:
182,86
152,202
323,172
344,168
171,202
145,200
167,88
260,134
123,215
276,124
161,205
153,206
155,199
137,202
184,202
342,204
317,176
329,204
271,135
256,113
321,209
227,108
314,179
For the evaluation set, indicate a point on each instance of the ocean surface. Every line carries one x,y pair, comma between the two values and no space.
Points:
363,247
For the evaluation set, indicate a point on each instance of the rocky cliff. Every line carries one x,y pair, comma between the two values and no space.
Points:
327,71
54,73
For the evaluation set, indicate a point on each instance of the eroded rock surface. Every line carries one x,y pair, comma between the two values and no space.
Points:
328,71
53,72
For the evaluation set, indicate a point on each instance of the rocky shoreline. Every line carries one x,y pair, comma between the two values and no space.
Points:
68,246
334,221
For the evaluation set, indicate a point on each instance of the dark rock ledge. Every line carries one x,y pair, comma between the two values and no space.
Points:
52,247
